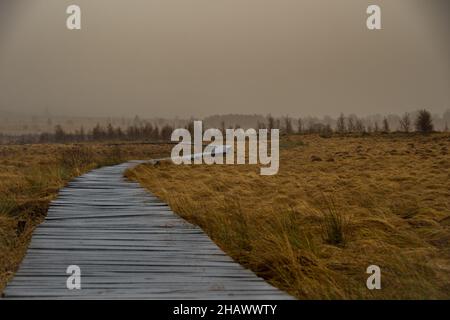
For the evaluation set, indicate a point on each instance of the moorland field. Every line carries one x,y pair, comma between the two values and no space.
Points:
337,205
30,177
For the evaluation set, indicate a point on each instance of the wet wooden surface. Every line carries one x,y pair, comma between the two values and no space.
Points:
129,245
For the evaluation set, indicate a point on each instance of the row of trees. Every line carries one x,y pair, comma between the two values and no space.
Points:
110,133
151,132
422,123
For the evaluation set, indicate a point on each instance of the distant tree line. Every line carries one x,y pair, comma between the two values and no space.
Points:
343,123
145,132
421,121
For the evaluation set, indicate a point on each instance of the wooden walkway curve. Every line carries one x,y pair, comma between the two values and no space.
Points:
128,245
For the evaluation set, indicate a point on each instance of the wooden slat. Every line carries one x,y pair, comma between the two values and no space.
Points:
129,245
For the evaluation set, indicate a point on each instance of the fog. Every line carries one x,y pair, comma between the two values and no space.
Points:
181,58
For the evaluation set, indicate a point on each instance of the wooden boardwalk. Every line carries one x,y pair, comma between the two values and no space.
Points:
128,245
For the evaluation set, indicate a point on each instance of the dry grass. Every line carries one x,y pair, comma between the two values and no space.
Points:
30,177
313,229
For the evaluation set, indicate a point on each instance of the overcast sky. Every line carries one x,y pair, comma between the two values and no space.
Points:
199,57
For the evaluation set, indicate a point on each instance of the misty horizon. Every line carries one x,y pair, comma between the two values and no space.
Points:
176,59
21,126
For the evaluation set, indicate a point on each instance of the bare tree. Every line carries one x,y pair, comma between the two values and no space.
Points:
300,125
277,124
340,126
288,125
350,124
386,125
405,123
110,132
166,132
271,122
359,126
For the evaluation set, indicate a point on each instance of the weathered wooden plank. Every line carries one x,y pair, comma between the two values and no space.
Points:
129,245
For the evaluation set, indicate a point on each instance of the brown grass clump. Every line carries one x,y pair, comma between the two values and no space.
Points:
334,225
30,177
314,228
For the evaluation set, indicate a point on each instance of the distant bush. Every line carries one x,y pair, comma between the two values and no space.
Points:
424,123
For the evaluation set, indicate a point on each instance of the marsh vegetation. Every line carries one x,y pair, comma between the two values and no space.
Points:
30,177
337,205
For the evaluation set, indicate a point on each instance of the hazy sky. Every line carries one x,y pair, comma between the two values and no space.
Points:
198,57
